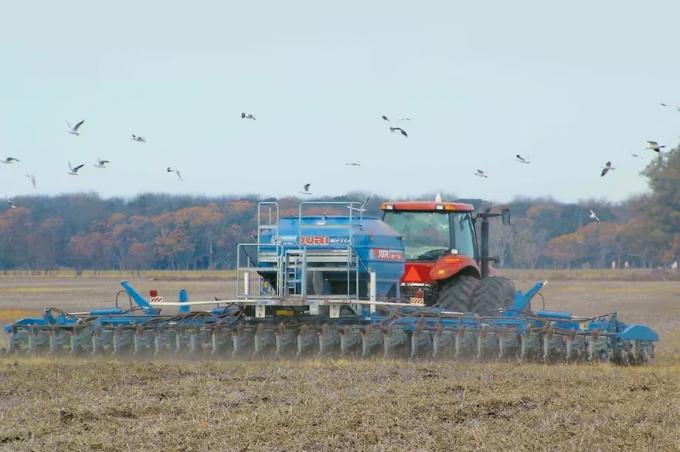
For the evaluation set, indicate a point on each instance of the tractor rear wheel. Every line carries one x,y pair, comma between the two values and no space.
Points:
491,294
456,293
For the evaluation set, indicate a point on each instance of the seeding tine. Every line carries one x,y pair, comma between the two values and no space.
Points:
264,339
546,346
214,341
32,340
306,339
394,338
421,341
371,339
11,341
457,346
329,339
350,337
193,340
157,338
52,339
95,340
285,340
137,340
74,341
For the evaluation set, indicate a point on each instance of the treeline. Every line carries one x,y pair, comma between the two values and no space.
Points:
185,232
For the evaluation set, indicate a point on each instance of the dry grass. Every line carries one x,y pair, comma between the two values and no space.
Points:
335,404
76,404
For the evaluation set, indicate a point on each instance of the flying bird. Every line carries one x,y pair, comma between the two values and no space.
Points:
352,164
636,156
654,146
73,171
522,159
74,130
398,120
138,139
669,105
10,160
176,171
10,204
593,216
32,178
101,163
480,173
305,189
247,116
607,167
399,129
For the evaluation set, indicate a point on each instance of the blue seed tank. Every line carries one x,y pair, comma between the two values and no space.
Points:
379,248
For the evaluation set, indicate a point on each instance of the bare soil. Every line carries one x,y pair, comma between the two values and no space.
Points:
321,404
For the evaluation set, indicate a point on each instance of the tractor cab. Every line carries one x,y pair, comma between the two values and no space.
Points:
439,239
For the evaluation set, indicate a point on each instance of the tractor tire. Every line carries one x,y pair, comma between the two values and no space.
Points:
491,294
456,293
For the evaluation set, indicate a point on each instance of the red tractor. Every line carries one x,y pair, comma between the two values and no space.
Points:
445,266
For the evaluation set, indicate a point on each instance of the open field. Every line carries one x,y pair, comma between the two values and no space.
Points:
341,404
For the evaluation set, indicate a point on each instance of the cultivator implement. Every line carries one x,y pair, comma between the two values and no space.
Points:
234,331
322,285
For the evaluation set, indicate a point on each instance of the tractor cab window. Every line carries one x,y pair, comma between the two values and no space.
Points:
464,233
426,234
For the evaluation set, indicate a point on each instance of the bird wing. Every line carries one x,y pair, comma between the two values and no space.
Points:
75,170
604,171
77,126
403,132
33,181
306,187
179,174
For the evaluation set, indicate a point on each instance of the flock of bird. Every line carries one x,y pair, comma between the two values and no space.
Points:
101,163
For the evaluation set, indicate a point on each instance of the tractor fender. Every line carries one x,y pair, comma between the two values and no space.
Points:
450,265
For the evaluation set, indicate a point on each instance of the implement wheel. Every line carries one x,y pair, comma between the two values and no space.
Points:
456,293
491,294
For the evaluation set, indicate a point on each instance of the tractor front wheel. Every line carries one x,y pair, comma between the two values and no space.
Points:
456,293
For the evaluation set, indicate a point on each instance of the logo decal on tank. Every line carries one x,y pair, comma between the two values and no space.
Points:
383,254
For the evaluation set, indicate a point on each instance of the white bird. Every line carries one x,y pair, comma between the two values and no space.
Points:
101,163
10,160
73,171
10,204
32,178
593,216
398,120
654,146
305,189
399,129
176,171
480,173
138,139
521,159
247,116
607,167
74,130
669,105
352,164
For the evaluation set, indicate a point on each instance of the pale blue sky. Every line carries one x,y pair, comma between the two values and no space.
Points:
572,85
